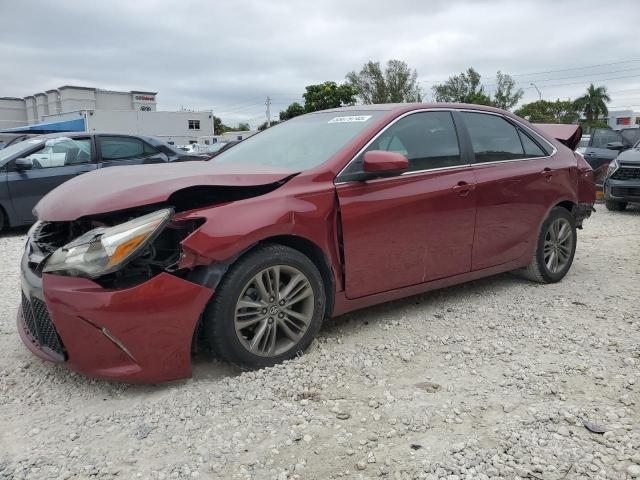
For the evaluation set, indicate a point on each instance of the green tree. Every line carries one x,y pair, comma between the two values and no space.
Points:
507,95
397,84
328,95
243,126
291,111
263,125
593,104
218,127
467,88
462,88
543,111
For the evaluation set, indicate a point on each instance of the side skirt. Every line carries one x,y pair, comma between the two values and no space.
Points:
344,305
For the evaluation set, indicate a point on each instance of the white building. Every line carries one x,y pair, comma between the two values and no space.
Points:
621,119
72,108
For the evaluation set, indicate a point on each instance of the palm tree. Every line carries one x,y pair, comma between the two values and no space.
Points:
593,104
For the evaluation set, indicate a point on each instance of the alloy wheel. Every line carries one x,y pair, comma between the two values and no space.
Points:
558,245
274,310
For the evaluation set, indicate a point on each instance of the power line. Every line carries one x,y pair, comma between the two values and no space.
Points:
575,68
554,71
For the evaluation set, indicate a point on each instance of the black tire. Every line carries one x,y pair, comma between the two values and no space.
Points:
537,270
219,316
3,220
615,206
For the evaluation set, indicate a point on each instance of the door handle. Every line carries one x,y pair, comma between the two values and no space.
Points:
463,188
547,173
590,154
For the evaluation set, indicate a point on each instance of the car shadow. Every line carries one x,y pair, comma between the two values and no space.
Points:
438,299
208,368
632,210
14,232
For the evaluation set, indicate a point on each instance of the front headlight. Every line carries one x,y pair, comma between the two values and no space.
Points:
106,249
613,166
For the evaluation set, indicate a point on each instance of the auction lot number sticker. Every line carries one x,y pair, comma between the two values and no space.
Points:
352,118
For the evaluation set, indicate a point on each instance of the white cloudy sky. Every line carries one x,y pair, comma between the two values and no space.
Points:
228,56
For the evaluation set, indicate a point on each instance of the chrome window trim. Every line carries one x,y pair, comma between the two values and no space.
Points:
405,174
554,150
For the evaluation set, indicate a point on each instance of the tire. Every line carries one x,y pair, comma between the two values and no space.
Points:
265,331
3,220
539,269
615,206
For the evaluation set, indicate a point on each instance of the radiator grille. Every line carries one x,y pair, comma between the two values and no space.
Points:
40,326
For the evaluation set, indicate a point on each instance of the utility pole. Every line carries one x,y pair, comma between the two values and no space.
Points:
268,104
537,90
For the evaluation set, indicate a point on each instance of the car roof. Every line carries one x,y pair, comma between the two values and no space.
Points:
402,107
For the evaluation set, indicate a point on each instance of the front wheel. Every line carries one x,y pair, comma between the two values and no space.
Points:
555,249
267,308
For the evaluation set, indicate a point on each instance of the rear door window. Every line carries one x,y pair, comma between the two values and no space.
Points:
492,137
123,148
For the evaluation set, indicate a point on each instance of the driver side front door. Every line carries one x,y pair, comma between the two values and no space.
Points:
414,227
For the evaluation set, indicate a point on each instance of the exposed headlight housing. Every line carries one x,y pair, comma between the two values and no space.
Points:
613,166
104,250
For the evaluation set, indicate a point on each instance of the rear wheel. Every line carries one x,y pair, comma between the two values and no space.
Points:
615,206
555,249
267,308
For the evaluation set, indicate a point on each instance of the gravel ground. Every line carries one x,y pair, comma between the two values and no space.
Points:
492,379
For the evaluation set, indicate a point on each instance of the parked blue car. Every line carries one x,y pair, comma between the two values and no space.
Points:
32,168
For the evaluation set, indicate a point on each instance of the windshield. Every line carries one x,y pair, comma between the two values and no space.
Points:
215,147
11,150
301,143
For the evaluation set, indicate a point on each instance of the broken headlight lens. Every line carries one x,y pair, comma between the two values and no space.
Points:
106,249
613,166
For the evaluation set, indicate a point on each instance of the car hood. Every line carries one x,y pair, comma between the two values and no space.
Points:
630,156
119,188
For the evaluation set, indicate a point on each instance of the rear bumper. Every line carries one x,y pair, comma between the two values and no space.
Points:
139,335
622,190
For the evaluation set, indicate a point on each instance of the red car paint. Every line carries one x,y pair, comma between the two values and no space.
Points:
381,239
156,321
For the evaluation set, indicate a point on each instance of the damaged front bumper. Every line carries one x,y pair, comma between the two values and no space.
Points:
141,334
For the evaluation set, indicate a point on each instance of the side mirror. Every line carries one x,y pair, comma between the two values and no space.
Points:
23,164
619,146
380,163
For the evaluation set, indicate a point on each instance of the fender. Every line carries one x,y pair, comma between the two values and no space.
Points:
231,229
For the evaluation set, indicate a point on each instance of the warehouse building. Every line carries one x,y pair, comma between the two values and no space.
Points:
80,109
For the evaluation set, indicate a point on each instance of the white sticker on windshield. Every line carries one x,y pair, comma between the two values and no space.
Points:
352,118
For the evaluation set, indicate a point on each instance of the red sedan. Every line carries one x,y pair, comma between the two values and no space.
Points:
128,269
